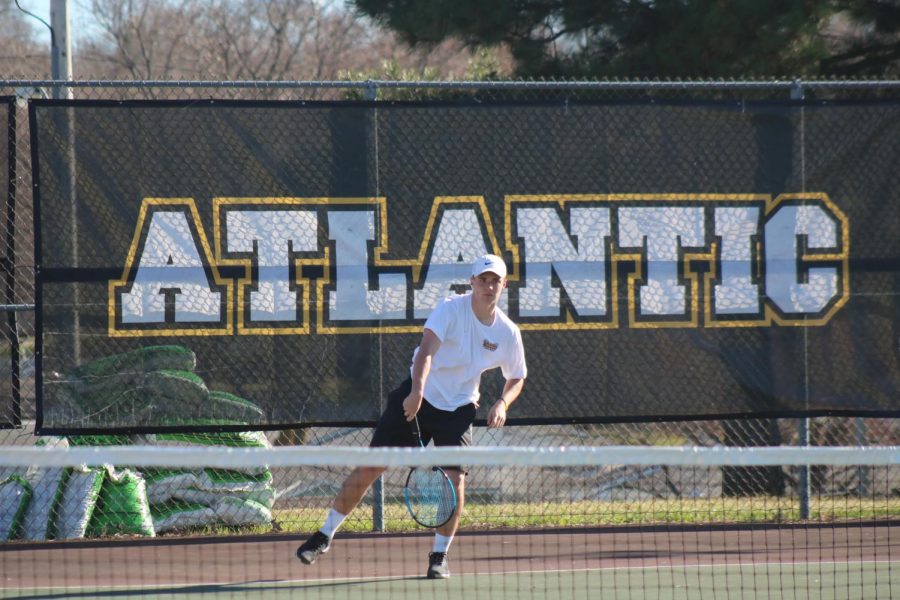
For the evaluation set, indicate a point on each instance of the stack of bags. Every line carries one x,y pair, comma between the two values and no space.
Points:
151,386
154,385
41,503
188,498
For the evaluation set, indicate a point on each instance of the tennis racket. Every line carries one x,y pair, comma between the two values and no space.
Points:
429,494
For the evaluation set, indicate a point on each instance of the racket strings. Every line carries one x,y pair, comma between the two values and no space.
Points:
430,496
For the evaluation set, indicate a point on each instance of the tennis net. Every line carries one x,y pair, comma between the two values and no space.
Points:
151,520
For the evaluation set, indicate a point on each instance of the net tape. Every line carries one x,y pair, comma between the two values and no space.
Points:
235,458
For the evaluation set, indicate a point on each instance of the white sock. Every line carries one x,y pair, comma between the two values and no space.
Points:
332,523
442,543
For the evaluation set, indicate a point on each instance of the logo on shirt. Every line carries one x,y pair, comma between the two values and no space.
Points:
488,346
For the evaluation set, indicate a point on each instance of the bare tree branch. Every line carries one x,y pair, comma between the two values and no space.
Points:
251,39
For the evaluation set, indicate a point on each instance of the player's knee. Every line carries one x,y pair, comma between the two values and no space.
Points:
374,472
367,474
457,477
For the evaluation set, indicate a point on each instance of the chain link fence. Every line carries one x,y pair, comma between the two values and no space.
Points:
302,488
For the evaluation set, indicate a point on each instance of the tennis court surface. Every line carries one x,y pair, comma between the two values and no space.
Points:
853,561
571,535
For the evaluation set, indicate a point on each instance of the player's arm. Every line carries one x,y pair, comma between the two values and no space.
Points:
421,368
511,391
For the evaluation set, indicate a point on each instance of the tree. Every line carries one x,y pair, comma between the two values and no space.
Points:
145,40
660,38
265,40
864,39
22,54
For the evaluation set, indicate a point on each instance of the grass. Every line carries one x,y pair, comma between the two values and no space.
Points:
26,348
593,514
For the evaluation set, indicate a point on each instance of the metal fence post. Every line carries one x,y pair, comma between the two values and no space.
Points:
861,439
371,94
803,479
803,426
371,90
10,275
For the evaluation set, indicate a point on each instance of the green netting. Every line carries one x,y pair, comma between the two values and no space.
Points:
234,409
235,481
48,484
164,484
179,515
189,493
99,440
153,384
236,511
164,396
237,439
144,360
122,507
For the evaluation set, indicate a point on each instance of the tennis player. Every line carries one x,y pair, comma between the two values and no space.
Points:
463,337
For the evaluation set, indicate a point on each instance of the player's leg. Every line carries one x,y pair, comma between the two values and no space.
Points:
352,491
438,563
392,430
447,428
458,479
355,487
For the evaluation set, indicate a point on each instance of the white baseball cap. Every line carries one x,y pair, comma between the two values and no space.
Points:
489,262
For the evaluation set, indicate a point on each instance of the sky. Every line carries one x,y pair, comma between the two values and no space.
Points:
80,19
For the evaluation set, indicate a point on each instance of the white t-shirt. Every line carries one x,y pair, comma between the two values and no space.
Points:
468,349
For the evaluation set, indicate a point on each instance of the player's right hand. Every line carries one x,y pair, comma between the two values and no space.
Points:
411,405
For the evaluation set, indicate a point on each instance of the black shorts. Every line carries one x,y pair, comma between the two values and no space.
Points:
445,427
